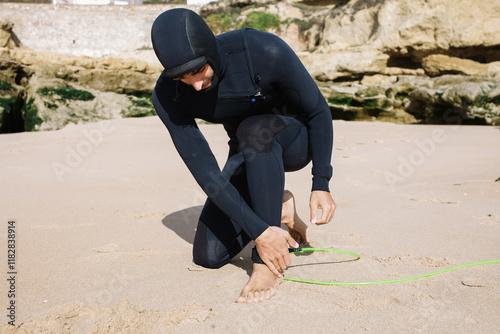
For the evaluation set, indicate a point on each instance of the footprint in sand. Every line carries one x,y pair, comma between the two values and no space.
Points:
196,312
106,252
353,236
77,317
480,282
423,261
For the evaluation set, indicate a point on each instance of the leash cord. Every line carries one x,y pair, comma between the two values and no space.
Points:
357,256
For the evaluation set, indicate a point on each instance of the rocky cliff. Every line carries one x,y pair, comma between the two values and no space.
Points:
48,90
433,60
429,61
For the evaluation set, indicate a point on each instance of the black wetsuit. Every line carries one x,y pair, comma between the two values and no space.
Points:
277,121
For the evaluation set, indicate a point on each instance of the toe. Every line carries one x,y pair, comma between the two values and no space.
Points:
262,296
251,298
269,293
241,299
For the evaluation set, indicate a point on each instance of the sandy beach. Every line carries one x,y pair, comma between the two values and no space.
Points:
105,215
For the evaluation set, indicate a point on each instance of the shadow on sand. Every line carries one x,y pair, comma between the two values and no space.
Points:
184,222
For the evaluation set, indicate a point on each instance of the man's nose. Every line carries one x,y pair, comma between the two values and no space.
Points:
197,85
195,81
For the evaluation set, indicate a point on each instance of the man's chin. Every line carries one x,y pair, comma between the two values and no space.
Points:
208,85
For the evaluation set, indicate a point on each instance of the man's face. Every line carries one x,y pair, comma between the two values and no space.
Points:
200,78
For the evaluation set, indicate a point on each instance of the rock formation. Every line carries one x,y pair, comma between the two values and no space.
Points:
390,46
46,91
427,61
373,59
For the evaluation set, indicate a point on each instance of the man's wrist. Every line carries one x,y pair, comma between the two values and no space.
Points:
258,240
320,183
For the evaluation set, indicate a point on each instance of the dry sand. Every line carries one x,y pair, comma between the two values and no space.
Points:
105,215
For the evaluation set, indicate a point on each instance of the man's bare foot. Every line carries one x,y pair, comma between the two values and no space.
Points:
296,227
261,286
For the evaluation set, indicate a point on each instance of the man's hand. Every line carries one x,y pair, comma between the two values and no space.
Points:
324,201
272,246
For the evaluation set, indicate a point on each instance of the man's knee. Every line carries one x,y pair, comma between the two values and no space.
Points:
202,258
257,132
205,251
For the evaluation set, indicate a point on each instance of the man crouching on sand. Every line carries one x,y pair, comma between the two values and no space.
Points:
277,121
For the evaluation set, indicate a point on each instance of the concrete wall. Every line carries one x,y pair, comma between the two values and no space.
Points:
83,30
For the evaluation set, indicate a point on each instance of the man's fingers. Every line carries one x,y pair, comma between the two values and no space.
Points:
275,254
321,200
313,214
272,267
331,212
318,213
282,265
291,241
327,214
325,218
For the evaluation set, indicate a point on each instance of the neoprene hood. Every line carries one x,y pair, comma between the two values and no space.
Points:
183,42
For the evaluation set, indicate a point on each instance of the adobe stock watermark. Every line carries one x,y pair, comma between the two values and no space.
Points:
408,164
250,147
453,118
75,154
89,312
